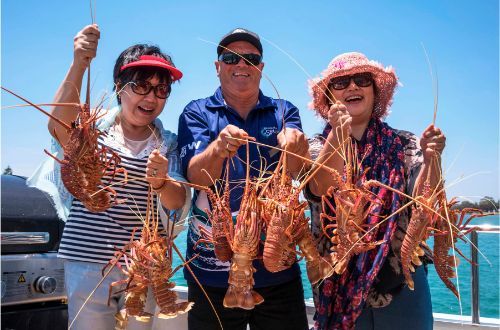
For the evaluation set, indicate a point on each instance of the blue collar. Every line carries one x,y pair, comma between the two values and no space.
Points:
217,101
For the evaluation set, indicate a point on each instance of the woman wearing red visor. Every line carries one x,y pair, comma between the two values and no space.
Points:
143,76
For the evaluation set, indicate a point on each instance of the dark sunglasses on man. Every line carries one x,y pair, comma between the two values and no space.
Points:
363,79
162,91
232,58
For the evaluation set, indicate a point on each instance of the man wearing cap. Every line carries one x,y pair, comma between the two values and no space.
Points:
213,130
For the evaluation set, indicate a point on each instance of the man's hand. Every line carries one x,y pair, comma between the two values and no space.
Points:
229,140
294,140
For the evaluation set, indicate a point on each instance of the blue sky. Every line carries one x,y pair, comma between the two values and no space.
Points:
461,37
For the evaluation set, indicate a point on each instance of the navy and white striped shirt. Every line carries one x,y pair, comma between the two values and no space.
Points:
95,237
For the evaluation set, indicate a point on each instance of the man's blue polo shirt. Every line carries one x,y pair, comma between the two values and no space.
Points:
199,124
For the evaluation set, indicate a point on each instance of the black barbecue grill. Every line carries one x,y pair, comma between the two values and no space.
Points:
32,283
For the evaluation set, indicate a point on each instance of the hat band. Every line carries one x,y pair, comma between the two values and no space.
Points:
154,61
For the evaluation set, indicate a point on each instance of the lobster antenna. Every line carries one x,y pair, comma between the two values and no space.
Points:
92,12
455,259
330,97
197,282
434,83
87,96
90,295
60,122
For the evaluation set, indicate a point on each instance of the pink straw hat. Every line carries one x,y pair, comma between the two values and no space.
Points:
348,64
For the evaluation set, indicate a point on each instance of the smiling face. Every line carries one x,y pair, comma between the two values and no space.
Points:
240,78
141,110
358,100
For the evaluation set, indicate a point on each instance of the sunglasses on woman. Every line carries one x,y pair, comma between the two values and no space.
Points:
162,91
232,58
363,79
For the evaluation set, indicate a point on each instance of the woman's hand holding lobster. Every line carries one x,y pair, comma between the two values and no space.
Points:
85,46
432,143
157,170
340,120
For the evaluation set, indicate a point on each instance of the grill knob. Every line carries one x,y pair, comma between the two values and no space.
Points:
45,284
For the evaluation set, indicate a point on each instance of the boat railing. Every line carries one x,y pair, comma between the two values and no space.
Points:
474,238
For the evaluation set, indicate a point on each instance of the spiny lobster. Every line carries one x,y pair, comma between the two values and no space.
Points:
287,226
345,208
148,262
85,161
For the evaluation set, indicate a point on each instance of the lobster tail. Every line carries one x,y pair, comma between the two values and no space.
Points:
317,267
240,293
166,300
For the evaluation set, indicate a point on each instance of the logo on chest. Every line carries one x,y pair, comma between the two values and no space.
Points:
191,146
268,131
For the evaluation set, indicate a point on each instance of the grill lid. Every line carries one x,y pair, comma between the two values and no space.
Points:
29,220
20,201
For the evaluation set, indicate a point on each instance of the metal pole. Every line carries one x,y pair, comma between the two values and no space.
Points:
474,278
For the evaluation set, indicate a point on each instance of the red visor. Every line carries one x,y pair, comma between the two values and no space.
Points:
150,60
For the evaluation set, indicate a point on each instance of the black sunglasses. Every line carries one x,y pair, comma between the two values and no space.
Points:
141,87
232,58
363,79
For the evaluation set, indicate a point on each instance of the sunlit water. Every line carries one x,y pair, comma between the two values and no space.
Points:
443,300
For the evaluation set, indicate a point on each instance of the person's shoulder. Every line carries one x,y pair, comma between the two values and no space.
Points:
107,118
411,145
407,138
197,103
316,143
205,104
167,136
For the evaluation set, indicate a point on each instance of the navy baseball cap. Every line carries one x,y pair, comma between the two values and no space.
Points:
239,34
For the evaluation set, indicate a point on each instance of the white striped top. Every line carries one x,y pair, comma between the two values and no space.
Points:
95,237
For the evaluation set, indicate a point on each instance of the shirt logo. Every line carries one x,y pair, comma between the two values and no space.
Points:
192,146
268,131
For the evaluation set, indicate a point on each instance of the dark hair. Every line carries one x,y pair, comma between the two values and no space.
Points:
132,54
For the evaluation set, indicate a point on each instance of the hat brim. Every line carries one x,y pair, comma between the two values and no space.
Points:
174,72
239,37
385,81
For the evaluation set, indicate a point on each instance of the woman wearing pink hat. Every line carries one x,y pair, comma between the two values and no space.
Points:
353,95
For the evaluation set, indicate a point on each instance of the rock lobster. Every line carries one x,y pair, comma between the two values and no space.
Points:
345,208
85,161
148,262
287,226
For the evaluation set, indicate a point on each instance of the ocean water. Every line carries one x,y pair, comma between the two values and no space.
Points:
443,300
